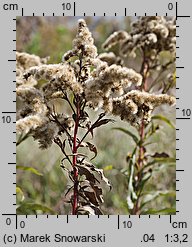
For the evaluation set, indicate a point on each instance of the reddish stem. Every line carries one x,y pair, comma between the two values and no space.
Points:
144,71
75,171
141,149
136,208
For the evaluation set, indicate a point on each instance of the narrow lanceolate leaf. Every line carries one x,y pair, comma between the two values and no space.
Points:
164,119
168,160
101,122
156,194
29,169
31,207
160,211
134,137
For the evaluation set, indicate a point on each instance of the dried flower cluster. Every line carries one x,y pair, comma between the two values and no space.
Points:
137,106
110,58
152,34
93,81
25,61
83,44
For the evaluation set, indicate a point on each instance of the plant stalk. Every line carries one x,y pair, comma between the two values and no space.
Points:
144,71
75,170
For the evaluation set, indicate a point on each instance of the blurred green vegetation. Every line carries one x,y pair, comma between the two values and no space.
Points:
52,36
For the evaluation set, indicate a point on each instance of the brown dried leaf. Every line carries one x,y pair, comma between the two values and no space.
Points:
160,155
92,197
93,192
103,178
86,210
91,131
84,170
98,171
99,193
84,118
92,148
88,126
89,210
101,122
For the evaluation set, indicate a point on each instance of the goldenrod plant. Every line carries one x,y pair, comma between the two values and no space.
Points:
85,80
152,37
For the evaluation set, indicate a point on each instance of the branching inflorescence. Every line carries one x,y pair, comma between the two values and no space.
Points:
84,80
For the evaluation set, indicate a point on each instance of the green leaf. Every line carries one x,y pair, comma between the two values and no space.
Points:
19,195
154,195
161,160
144,179
164,119
29,169
167,160
18,190
147,143
161,211
27,208
134,137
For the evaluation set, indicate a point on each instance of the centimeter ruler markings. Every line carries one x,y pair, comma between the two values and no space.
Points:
9,115
20,220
